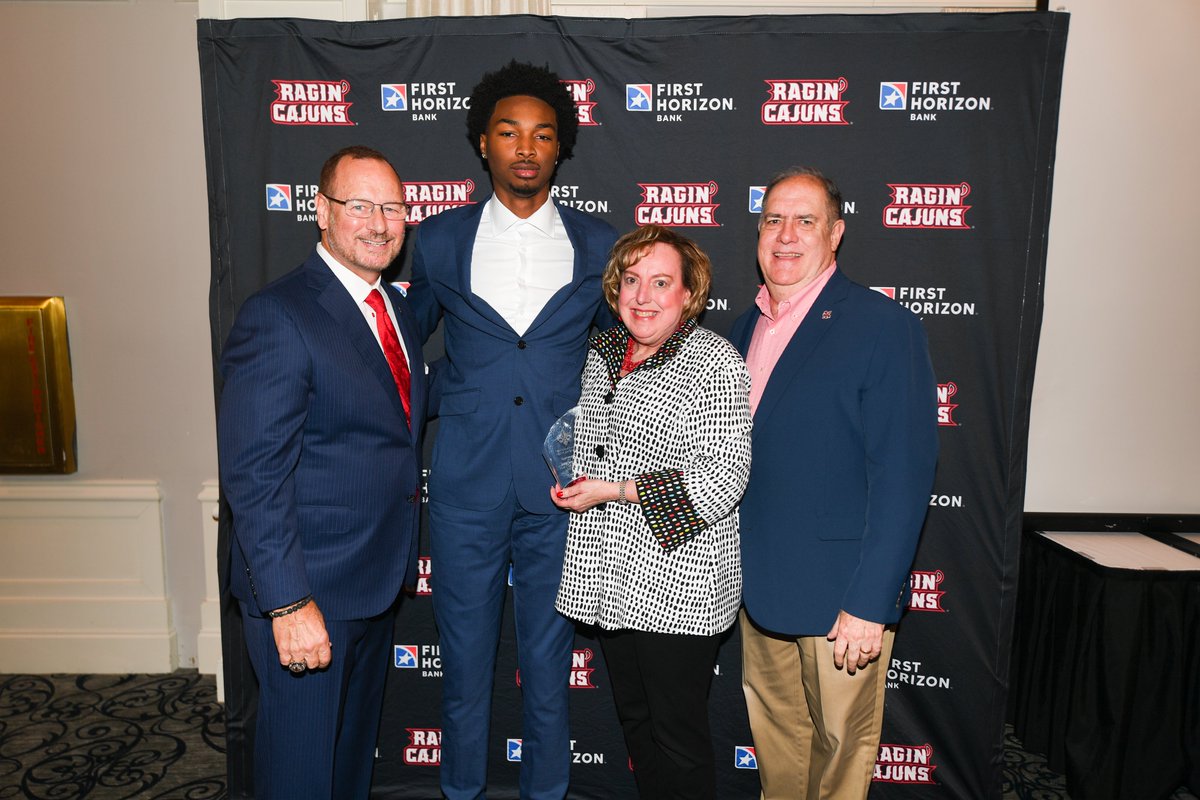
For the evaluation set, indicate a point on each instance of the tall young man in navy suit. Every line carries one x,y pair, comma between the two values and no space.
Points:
844,449
516,283
319,440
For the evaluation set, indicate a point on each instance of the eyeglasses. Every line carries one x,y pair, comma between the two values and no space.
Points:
364,209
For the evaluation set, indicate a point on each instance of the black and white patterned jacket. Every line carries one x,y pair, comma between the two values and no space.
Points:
679,425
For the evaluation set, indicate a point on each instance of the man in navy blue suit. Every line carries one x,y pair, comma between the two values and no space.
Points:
516,283
844,449
318,433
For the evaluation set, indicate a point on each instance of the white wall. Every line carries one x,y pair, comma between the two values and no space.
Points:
105,204
1116,406
111,213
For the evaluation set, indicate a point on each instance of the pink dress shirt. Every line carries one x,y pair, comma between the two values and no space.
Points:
773,332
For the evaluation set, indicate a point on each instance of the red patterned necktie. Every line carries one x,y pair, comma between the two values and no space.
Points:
392,350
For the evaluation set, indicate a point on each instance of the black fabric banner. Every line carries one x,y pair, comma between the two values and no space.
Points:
940,130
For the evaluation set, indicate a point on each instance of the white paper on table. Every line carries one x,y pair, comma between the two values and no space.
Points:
1126,550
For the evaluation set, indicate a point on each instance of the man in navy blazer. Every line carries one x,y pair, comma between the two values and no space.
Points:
319,432
516,284
844,450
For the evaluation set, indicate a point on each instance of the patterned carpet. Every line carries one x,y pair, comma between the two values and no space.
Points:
105,737
161,737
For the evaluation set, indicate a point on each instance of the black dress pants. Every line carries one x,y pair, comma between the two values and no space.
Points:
660,685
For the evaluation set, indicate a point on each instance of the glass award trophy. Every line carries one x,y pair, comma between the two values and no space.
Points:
559,449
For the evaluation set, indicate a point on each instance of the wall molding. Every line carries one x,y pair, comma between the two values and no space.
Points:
82,581
208,643
355,10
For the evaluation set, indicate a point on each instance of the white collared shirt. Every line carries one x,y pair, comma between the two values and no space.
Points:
359,289
518,264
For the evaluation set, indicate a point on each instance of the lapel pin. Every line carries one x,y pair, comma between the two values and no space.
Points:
826,314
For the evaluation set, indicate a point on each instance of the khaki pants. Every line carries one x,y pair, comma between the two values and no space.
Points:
816,728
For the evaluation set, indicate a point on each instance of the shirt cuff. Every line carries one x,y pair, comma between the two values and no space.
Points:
668,509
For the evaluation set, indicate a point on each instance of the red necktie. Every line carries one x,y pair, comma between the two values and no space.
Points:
392,350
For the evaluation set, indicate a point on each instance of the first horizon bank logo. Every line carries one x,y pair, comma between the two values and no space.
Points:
672,97
406,656
744,757
279,197
755,199
427,658
423,98
893,95
513,751
393,96
639,97
299,198
926,98
311,103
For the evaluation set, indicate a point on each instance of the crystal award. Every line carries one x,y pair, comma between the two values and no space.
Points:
559,449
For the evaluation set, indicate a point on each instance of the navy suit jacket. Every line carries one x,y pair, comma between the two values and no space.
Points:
499,392
844,450
318,465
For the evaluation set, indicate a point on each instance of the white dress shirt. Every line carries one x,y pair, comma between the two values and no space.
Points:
359,289
518,264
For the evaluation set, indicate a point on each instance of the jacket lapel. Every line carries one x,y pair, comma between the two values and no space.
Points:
336,301
816,325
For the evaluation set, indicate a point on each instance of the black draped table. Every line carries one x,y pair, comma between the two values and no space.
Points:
1106,661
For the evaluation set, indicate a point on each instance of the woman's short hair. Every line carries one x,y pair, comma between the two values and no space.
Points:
633,246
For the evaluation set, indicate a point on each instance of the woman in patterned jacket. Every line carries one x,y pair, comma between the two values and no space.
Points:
663,434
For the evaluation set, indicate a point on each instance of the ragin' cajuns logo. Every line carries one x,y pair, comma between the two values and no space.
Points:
581,672
424,573
677,204
424,747
927,205
427,198
581,93
926,596
311,103
946,409
898,763
805,102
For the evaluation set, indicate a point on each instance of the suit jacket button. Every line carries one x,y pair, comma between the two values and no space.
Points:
412,498
520,344
599,451
518,400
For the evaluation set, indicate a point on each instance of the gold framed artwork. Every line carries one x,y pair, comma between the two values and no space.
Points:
37,402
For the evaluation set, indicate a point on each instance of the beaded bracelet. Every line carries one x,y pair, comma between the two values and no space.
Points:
292,609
